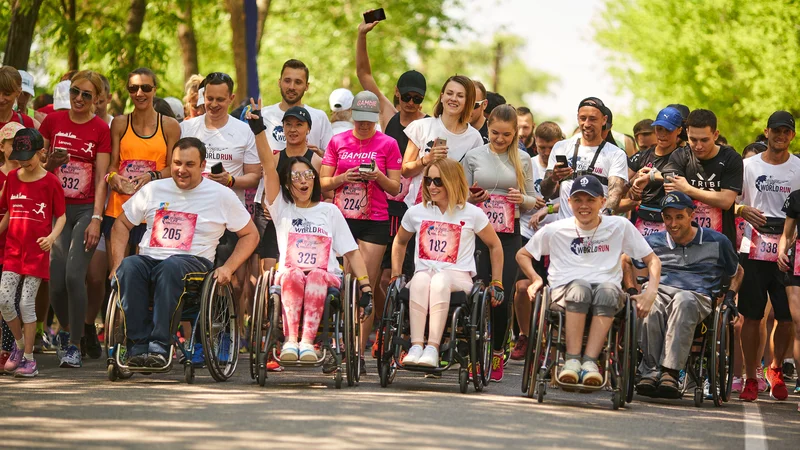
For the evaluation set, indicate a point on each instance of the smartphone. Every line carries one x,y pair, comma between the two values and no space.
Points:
374,16
561,160
366,167
669,178
476,190
439,142
216,168
59,150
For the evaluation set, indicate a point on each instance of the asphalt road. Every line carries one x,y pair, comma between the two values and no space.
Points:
79,408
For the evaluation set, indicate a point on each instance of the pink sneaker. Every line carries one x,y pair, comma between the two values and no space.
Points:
737,385
14,359
27,369
762,382
497,367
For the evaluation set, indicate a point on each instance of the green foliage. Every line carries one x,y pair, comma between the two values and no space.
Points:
738,58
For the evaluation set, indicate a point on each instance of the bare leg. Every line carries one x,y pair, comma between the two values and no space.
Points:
598,332
522,307
373,255
750,346
575,324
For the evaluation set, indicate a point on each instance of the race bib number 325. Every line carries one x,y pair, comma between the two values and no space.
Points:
173,229
308,251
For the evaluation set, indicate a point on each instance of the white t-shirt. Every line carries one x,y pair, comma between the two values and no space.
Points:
423,132
525,215
766,187
612,162
444,241
307,235
341,126
593,259
233,145
184,222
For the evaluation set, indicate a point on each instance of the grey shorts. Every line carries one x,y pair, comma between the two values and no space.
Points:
603,299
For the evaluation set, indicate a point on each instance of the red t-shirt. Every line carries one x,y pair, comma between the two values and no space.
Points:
32,208
3,210
46,109
27,122
83,142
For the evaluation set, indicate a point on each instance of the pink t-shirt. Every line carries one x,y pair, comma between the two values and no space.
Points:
359,200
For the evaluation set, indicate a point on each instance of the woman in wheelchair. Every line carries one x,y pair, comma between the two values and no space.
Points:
310,235
444,257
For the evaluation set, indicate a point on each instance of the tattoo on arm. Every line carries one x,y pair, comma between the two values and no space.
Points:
616,185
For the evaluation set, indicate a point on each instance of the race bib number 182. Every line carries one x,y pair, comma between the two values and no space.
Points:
439,241
173,229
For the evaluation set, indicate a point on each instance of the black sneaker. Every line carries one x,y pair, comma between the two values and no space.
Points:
137,360
363,365
155,360
90,344
329,363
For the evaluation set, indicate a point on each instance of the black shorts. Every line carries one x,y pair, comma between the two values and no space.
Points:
762,280
268,244
372,231
134,238
225,247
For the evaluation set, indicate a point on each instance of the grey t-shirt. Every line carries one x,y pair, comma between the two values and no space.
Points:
495,173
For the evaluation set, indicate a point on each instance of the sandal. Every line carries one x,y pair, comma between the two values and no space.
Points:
647,386
668,387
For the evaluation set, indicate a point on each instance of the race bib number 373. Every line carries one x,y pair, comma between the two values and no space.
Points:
173,229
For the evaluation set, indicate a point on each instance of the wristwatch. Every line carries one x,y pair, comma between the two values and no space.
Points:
97,217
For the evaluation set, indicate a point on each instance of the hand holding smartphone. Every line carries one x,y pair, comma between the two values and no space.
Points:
216,169
561,160
375,15
476,190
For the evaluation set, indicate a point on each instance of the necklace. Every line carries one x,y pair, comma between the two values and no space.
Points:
591,239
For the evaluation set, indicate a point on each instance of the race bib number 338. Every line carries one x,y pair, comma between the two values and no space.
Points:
173,229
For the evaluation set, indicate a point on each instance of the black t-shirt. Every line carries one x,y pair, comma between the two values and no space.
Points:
283,159
396,130
653,193
484,131
792,208
723,171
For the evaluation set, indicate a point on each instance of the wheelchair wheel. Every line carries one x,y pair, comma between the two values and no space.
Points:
629,353
726,355
188,373
720,348
539,326
463,380
251,338
218,329
528,377
352,340
112,372
259,342
483,345
385,332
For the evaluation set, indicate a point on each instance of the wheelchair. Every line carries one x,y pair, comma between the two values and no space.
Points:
546,350
211,311
468,336
339,330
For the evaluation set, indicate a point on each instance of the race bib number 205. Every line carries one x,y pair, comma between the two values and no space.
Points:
173,229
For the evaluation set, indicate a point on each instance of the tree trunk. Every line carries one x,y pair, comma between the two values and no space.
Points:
263,12
20,33
72,35
187,40
236,9
133,28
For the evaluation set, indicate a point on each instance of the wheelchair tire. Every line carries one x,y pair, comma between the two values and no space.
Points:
251,338
632,353
218,328
726,362
627,352
527,377
541,391
112,372
538,328
617,400
351,342
385,331
383,374
698,397
337,379
259,342
463,380
188,373
484,341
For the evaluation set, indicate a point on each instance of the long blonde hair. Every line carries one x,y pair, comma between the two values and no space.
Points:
92,77
453,179
508,114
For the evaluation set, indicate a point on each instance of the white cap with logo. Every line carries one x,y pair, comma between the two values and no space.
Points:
27,82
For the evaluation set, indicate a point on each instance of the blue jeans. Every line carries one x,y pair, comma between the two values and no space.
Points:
140,278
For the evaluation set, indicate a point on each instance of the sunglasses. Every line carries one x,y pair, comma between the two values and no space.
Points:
478,104
408,97
146,88
218,76
436,181
306,174
74,92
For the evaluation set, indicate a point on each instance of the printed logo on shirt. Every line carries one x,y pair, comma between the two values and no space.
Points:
307,227
768,183
218,153
582,246
277,134
352,155
41,206
163,205
707,185
537,185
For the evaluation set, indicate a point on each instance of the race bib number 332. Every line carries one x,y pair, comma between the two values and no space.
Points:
173,229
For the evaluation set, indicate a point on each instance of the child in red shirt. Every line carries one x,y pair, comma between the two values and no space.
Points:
33,197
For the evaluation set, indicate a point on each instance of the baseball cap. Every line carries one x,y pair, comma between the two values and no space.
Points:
176,106
298,112
412,81
643,126
366,107
677,200
61,95
341,99
669,118
9,130
588,184
27,142
201,97
27,81
781,119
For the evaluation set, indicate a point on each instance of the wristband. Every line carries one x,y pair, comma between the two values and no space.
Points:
109,176
97,217
652,175
738,210
422,160
362,278
233,181
551,209
496,283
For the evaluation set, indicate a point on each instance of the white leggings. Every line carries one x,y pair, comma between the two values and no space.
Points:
9,283
430,291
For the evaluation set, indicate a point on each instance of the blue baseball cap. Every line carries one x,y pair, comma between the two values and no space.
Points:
669,118
588,184
677,200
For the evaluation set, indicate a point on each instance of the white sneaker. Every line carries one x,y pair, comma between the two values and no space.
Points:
570,372
307,352
430,357
413,355
590,374
289,351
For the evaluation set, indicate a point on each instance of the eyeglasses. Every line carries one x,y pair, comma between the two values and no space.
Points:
134,88
74,92
436,181
478,104
306,174
408,97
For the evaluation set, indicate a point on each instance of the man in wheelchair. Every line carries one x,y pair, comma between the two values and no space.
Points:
585,274
186,215
694,260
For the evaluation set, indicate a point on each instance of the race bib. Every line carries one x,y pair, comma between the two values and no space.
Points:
250,201
500,213
133,168
796,259
173,229
439,241
405,183
77,178
740,224
708,216
353,200
646,227
764,247
308,251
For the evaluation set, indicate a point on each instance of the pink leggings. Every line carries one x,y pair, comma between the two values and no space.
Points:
304,292
431,291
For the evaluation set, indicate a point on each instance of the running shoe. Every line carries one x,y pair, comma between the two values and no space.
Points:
307,352
750,391
363,367
737,384
429,358
707,390
71,358
27,369
3,359
520,348
497,367
198,356
570,372
329,363
788,369
763,386
797,386
61,343
156,360
413,356
290,351
590,374
14,359
273,365
777,389
90,343
137,360
375,347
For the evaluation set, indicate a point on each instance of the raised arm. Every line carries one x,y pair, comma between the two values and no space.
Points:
272,185
364,73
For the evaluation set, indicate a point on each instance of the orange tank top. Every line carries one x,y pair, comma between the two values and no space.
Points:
137,155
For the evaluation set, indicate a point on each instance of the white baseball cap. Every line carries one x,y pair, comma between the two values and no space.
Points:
201,97
27,82
341,99
61,95
176,106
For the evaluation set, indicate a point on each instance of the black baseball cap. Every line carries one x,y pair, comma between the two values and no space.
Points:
412,81
298,112
588,184
677,200
781,119
26,143
683,109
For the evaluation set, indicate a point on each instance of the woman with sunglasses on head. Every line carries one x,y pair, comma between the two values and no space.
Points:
501,180
310,235
79,144
362,167
444,255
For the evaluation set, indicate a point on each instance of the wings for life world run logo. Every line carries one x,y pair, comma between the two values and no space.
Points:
582,246
768,183
277,134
